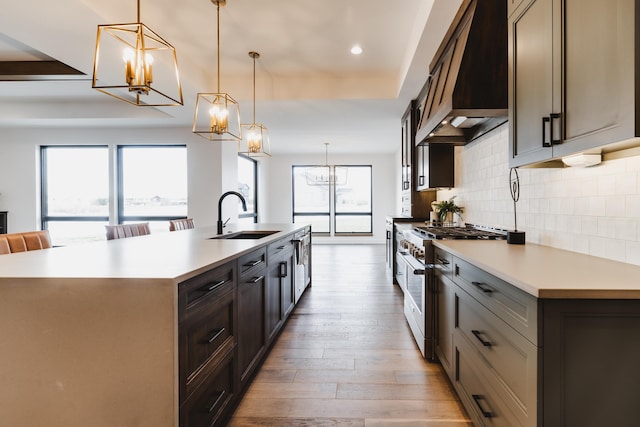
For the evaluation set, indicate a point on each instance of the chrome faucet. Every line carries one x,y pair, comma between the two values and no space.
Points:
244,206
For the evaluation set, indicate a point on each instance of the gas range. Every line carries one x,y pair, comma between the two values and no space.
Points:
417,242
469,232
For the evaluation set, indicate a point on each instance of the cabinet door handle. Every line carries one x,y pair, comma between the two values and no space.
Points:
280,247
443,261
483,287
545,121
214,286
388,234
253,263
421,180
283,269
256,279
219,397
477,398
554,117
215,335
405,185
477,335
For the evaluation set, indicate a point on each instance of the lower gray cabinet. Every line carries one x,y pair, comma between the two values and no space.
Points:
516,360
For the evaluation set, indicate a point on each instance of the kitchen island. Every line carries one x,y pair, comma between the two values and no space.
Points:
537,336
111,333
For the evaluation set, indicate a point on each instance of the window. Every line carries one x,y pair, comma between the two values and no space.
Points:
342,206
352,201
152,184
78,198
75,192
311,201
248,187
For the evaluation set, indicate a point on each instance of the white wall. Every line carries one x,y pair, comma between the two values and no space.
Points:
212,168
279,188
593,210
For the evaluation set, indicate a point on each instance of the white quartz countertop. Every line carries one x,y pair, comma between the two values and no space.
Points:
174,256
546,272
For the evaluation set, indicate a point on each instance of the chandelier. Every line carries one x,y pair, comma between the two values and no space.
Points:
217,115
255,138
327,174
134,64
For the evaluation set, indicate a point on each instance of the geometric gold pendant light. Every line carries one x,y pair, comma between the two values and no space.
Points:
136,65
217,115
255,137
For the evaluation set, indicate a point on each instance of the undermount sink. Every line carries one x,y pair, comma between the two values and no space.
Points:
247,234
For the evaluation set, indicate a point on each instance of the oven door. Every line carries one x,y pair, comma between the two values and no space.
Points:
416,277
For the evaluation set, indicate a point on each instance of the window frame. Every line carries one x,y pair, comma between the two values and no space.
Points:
337,214
332,214
121,217
253,214
303,214
45,218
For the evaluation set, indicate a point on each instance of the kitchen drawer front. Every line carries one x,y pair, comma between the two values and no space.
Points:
517,308
252,262
443,262
211,403
479,389
204,335
276,248
200,290
511,356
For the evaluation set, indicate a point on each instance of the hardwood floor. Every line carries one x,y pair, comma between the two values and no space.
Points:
346,356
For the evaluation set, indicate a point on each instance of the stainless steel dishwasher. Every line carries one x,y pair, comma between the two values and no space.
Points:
302,275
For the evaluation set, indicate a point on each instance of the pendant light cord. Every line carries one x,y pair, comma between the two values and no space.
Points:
254,89
138,11
218,8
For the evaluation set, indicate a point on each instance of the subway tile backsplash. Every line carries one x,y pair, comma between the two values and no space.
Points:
592,210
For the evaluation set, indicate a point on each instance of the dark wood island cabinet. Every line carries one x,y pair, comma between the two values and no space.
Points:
162,330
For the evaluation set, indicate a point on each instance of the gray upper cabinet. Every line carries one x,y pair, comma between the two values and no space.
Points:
572,79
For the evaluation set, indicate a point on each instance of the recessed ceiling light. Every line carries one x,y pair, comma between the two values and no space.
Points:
356,50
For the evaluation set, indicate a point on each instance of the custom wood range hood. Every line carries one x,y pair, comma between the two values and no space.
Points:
466,93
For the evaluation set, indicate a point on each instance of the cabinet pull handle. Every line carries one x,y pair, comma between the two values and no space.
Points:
283,269
443,261
483,287
213,286
477,398
545,121
212,408
281,247
477,335
256,279
215,335
421,180
388,234
253,263
554,117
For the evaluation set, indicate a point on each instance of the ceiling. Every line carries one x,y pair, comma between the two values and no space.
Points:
310,88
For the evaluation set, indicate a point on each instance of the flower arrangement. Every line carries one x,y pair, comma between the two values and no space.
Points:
446,209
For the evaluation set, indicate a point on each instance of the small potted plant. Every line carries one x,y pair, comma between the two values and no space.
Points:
446,209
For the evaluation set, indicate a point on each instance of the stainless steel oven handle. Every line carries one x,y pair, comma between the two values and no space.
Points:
418,268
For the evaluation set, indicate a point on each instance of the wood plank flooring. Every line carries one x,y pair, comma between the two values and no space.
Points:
346,356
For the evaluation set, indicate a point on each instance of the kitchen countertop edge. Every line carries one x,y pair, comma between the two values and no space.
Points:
547,272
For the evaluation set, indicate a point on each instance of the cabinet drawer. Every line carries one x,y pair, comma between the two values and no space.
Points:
200,289
511,356
479,390
443,262
205,334
517,308
253,261
210,404
276,248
